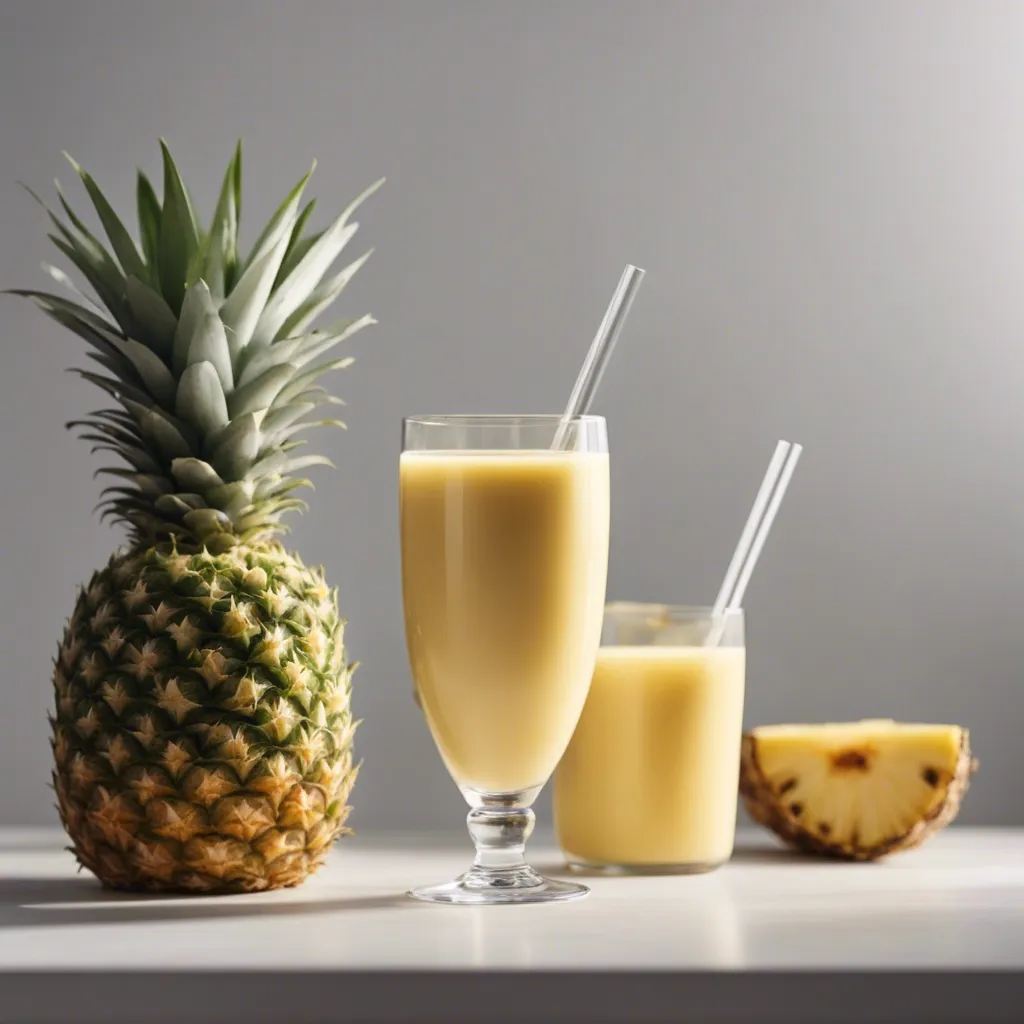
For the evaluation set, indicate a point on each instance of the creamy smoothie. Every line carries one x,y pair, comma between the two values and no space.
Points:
504,559
650,776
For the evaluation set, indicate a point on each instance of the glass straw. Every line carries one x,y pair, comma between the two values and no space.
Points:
600,349
766,524
755,532
732,574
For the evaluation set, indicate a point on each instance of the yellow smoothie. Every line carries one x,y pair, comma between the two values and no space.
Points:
651,774
504,561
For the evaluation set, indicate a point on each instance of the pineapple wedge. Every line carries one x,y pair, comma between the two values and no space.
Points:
858,790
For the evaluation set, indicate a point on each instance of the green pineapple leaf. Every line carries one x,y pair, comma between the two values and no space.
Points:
231,498
259,393
167,433
125,392
283,417
238,180
296,287
295,428
322,296
242,308
120,240
207,522
267,358
195,474
177,506
117,366
150,368
318,396
61,278
314,346
290,259
150,484
198,305
132,454
108,431
220,249
209,344
150,215
49,302
236,448
302,350
231,269
153,317
200,399
106,281
82,248
179,236
305,461
296,253
303,380
283,221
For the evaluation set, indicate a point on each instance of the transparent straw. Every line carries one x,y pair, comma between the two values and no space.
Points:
755,532
766,524
732,574
600,350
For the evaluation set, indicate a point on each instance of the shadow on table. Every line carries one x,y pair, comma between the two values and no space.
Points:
27,902
769,856
33,845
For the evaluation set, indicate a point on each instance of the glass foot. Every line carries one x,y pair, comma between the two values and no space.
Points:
514,885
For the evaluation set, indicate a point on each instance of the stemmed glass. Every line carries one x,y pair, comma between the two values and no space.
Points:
504,562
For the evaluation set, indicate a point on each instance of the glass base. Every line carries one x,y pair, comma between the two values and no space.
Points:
500,824
519,885
581,866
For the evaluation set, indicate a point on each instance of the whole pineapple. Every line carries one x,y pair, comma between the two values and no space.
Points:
203,732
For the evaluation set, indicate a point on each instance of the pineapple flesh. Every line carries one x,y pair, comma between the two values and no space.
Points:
859,790
202,734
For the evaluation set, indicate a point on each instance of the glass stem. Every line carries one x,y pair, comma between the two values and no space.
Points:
500,836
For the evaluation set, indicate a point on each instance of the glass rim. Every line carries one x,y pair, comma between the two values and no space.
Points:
648,608
495,419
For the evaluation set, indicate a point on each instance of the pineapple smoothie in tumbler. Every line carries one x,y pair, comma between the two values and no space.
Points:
649,781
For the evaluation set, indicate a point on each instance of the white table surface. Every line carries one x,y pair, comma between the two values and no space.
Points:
352,943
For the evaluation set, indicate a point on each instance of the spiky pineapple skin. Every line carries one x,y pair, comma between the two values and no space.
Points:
203,732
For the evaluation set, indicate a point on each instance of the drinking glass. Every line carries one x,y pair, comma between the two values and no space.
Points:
649,782
504,562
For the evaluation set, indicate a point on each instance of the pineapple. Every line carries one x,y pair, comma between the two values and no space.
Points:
203,734
856,791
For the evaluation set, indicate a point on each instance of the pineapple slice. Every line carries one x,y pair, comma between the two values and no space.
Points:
857,790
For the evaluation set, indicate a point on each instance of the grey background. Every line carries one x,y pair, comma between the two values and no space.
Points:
829,198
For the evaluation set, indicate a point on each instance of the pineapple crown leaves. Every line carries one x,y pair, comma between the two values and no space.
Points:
210,356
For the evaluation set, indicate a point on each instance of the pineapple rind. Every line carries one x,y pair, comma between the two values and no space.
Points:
203,731
856,791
